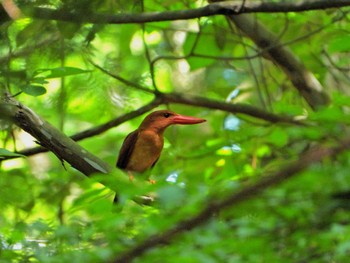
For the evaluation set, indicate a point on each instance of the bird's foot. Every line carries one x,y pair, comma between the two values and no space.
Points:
151,181
131,177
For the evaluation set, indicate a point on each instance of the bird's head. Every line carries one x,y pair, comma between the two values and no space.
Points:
161,119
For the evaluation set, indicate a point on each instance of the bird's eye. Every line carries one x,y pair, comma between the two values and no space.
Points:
166,115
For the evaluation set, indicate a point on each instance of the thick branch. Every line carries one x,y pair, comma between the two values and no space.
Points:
52,139
302,79
222,8
187,99
95,130
312,156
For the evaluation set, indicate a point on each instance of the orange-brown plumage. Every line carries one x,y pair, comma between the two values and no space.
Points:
141,148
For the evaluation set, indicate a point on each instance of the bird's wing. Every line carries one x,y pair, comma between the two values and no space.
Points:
127,149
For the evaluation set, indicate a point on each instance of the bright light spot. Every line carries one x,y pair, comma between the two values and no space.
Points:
22,23
153,38
17,246
232,123
172,178
233,94
228,150
179,37
116,99
27,140
236,148
183,66
220,162
224,151
136,44
54,84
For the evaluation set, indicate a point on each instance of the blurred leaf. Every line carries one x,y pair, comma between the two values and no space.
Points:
53,213
61,72
339,44
263,151
278,137
171,196
329,114
7,153
32,29
67,29
34,90
39,80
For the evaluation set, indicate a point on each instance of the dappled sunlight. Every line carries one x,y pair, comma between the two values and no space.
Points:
174,131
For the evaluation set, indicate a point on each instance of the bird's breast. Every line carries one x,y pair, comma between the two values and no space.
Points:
147,150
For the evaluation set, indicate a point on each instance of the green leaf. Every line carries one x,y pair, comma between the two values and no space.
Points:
278,137
196,63
7,153
39,80
263,151
61,72
340,44
206,43
34,90
330,114
65,71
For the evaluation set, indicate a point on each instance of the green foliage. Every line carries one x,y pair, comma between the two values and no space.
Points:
52,213
7,153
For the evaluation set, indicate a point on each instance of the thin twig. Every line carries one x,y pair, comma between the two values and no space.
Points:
227,107
122,80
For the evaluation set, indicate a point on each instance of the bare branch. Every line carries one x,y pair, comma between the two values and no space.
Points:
228,107
303,80
314,155
220,8
122,80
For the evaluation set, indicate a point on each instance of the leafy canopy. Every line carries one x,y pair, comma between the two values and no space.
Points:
78,76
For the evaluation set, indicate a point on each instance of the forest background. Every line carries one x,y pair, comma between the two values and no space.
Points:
265,179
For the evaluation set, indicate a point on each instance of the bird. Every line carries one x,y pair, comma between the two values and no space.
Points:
141,149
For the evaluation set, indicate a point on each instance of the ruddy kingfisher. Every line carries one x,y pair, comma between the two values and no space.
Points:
141,148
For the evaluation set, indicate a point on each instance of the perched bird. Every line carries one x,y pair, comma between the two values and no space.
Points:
141,148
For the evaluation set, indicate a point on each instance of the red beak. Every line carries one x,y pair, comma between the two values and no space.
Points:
181,119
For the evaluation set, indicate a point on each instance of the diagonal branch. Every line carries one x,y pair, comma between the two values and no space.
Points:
95,130
303,79
192,100
314,155
52,139
222,8
122,80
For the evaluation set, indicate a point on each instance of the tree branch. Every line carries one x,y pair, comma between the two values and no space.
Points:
166,98
302,79
314,155
123,80
221,8
187,99
52,139
95,130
